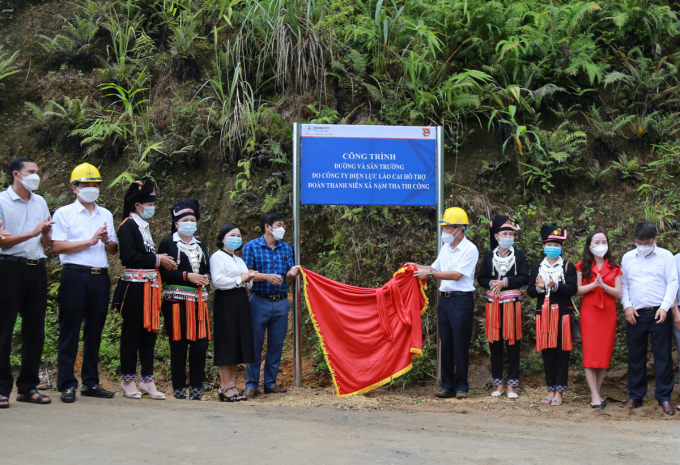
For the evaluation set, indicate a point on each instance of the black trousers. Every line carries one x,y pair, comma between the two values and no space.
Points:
134,338
82,296
23,291
662,347
178,353
455,332
556,364
497,349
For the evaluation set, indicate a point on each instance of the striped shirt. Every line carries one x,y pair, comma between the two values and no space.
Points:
20,217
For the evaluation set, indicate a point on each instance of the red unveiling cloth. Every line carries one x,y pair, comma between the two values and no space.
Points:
369,336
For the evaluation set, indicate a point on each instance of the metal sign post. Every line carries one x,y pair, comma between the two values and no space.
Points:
396,168
440,214
297,354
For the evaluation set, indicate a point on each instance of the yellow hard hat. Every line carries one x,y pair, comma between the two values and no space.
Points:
454,217
85,173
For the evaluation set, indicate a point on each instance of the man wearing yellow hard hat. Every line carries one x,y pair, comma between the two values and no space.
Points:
455,268
83,235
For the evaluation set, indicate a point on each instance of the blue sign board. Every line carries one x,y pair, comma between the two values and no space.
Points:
368,165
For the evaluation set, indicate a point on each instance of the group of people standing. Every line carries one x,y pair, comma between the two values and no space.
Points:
646,282
172,280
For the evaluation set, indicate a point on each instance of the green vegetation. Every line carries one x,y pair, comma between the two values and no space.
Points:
553,111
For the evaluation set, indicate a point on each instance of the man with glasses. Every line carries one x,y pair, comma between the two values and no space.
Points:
269,305
650,285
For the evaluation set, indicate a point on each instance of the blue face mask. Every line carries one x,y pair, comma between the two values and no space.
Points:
553,252
187,228
506,242
233,243
148,212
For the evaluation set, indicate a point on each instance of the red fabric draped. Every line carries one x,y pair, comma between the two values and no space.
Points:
369,336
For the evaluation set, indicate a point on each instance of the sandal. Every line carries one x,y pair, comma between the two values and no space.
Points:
4,402
28,397
556,402
131,394
152,395
232,398
547,400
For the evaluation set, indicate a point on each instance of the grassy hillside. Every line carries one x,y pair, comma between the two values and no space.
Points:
562,112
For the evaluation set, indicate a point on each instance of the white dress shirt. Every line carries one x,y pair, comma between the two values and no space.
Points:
649,281
226,271
73,223
677,267
462,259
20,217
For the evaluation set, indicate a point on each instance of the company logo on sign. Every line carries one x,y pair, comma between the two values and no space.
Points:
318,129
426,132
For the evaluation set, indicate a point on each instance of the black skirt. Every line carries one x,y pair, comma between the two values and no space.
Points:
233,328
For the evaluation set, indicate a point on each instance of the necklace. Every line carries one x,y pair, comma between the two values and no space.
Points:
502,265
193,252
547,271
146,235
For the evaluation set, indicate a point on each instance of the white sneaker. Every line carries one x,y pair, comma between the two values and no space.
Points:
497,393
512,395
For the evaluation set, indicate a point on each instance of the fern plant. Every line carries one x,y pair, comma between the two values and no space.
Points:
6,61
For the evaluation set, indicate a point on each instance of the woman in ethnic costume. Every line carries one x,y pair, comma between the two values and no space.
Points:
553,283
503,272
138,294
185,299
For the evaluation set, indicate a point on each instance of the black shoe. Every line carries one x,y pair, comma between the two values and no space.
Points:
96,391
599,406
461,394
445,393
68,396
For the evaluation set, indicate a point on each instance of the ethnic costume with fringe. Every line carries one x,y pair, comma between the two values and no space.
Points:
554,311
503,312
185,312
138,293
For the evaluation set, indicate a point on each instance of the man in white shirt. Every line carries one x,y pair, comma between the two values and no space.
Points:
25,227
455,268
83,235
650,285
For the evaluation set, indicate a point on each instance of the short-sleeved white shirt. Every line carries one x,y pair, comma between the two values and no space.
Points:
462,259
20,217
73,223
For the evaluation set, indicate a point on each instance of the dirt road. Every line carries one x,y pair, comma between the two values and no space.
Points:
179,432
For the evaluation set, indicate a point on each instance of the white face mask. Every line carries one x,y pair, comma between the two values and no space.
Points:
599,250
448,238
278,233
148,212
31,182
88,194
645,250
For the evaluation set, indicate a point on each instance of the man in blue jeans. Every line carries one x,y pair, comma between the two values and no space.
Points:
269,305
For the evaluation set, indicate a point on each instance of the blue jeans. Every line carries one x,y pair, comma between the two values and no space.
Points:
272,317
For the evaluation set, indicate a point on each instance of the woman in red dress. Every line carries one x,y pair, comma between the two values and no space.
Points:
599,282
